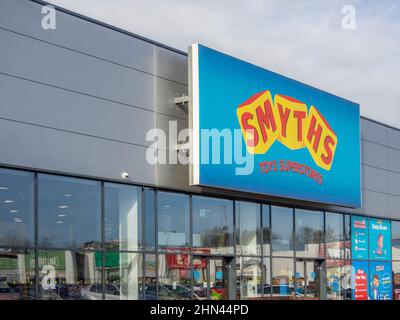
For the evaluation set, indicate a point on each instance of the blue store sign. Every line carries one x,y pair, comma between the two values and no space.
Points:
257,131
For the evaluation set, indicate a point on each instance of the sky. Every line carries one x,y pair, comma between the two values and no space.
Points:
303,39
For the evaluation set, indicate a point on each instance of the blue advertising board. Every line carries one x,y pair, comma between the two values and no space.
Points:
359,237
380,280
257,131
379,239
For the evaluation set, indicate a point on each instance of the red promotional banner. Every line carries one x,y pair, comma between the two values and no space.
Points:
360,283
178,261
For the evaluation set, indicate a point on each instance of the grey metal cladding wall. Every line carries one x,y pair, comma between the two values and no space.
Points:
80,99
381,169
24,16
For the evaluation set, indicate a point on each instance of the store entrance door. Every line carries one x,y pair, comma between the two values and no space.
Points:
212,277
309,284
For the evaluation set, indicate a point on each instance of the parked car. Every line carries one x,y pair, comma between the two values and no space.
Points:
95,292
170,292
7,292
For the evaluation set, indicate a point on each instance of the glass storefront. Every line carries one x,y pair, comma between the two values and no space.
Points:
72,238
282,231
17,208
173,221
122,217
212,225
282,278
17,274
248,228
69,212
309,235
70,275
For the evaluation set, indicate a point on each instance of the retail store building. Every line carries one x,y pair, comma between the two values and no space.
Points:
84,215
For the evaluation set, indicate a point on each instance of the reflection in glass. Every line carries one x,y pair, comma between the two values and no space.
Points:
267,285
282,277
309,233
396,280
149,219
174,277
200,277
282,231
150,280
16,208
347,236
334,235
212,225
313,277
335,277
248,275
346,281
123,217
248,227
69,212
395,240
17,274
266,230
70,275
218,283
173,221
123,275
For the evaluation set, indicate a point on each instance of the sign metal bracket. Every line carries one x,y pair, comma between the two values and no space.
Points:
182,101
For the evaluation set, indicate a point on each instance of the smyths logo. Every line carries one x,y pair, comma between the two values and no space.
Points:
264,120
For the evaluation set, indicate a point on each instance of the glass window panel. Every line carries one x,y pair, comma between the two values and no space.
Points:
282,277
123,274
334,229
69,212
17,274
395,240
313,278
201,277
309,233
248,233
212,225
267,285
335,277
346,283
149,220
347,236
123,217
173,221
17,208
266,230
396,280
219,279
174,276
282,231
70,275
249,273
150,280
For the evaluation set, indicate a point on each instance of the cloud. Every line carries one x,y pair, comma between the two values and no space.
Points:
303,40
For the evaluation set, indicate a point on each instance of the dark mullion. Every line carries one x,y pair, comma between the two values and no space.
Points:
191,244
262,248
143,207
294,242
156,237
36,233
270,249
103,232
